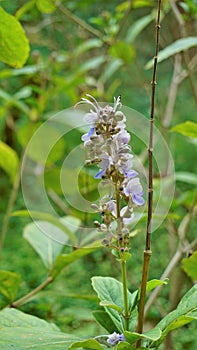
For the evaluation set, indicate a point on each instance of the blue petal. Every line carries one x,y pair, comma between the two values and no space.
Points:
130,174
100,174
86,137
137,199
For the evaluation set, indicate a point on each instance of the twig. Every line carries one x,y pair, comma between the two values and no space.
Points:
173,262
147,252
172,92
28,296
186,57
81,23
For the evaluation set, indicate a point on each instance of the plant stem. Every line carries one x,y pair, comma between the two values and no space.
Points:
28,296
147,252
125,295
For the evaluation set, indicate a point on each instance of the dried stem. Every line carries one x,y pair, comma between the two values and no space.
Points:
147,252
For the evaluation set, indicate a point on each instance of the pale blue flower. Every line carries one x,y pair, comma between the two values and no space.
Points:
86,137
134,189
115,338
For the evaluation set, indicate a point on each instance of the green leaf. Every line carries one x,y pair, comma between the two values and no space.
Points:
14,45
155,283
186,177
123,50
138,27
189,265
105,321
9,284
51,219
47,248
185,313
187,128
21,331
110,292
46,6
125,346
154,334
66,259
177,46
8,160
87,45
89,343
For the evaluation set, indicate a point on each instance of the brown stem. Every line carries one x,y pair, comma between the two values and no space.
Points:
26,297
147,252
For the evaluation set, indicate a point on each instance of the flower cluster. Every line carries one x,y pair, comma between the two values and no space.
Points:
115,338
107,146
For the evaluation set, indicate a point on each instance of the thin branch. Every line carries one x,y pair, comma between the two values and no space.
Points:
81,23
28,296
186,57
147,252
172,92
172,264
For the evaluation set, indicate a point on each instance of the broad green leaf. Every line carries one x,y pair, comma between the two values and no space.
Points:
46,6
38,235
155,283
66,259
51,219
105,321
189,265
187,128
9,284
142,3
110,291
185,313
89,343
187,177
8,160
21,331
14,45
177,46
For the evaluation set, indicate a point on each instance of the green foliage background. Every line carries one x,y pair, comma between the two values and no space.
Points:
100,48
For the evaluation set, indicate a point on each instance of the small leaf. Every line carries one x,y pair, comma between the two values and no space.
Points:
46,6
8,160
105,321
155,283
187,128
14,45
46,247
89,343
186,177
66,259
189,265
9,284
51,219
122,50
177,46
